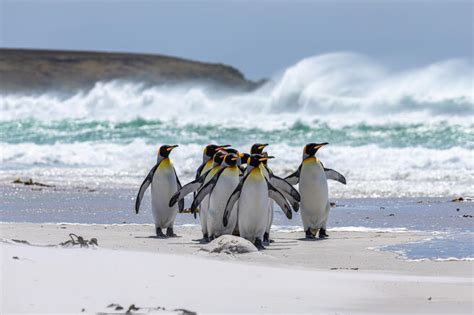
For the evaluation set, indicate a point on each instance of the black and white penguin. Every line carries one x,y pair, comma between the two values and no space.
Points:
218,190
194,186
164,183
290,193
253,193
312,178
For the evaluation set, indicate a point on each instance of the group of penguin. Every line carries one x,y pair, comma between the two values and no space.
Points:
234,193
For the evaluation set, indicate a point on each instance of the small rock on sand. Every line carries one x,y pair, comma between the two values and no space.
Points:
230,244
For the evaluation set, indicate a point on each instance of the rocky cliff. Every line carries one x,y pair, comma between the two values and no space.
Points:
25,70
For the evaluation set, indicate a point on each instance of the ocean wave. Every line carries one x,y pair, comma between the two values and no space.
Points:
370,170
392,133
434,135
339,88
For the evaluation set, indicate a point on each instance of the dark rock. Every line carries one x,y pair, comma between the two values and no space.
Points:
36,71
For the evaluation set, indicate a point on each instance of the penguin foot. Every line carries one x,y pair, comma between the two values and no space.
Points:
204,239
266,238
159,233
258,243
309,234
322,233
170,233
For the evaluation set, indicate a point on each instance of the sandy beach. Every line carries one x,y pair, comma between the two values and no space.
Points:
343,274
112,110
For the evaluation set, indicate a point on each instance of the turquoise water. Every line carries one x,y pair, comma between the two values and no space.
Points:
392,134
435,136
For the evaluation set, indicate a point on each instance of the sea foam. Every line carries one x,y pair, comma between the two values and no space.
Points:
392,132
326,86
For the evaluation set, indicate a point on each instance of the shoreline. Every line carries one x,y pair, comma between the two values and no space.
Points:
343,249
340,274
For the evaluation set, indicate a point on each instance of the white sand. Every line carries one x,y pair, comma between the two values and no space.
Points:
292,276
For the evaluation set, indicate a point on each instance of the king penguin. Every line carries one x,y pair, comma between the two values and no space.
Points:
164,183
219,189
283,186
266,172
313,187
194,186
253,193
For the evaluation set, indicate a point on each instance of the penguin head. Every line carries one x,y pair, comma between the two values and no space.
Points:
235,152
311,148
218,157
255,159
211,149
244,157
257,148
231,159
165,151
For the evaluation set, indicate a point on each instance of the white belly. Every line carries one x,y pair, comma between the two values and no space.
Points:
313,189
270,216
253,208
204,206
163,187
225,186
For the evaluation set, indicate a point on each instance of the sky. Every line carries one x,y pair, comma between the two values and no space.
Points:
260,38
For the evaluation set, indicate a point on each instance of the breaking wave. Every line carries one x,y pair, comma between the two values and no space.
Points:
392,132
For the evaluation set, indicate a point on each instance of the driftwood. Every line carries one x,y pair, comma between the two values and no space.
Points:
79,240
30,182
132,308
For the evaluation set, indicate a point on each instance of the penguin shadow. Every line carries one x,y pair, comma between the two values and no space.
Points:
280,245
316,239
271,248
279,241
159,237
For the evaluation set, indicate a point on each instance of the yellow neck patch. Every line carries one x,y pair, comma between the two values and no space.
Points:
311,159
256,173
165,164
232,169
207,166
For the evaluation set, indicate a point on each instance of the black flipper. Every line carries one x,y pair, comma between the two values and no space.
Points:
233,199
332,174
199,170
144,186
276,195
205,190
294,178
187,189
181,201
287,190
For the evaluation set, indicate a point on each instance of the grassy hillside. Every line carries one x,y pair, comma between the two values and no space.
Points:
24,70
